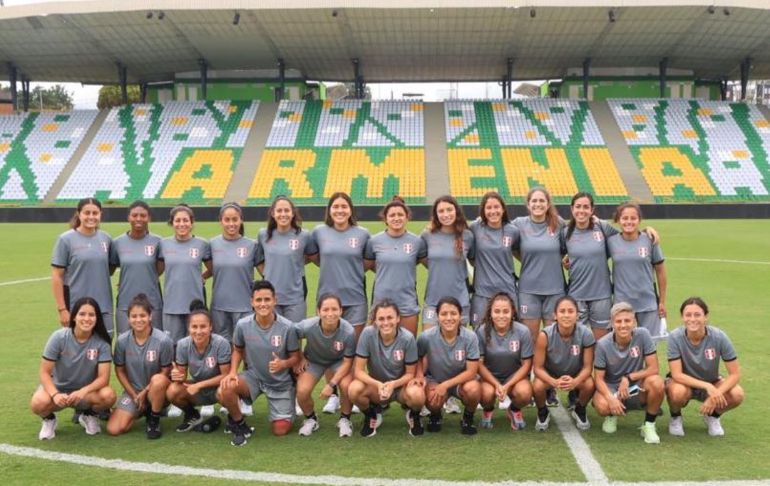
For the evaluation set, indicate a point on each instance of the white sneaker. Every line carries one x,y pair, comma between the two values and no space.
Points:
298,410
332,404
451,406
246,408
223,410
308,427
543,426
676,426
714,425
505,404
90,423
424,412
173,411
346,428
48,429
355,409
206,411
580,423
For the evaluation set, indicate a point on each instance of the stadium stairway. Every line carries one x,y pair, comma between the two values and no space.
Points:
638,190
252,153
436,158
85,142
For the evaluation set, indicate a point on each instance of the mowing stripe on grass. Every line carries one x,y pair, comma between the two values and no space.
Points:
717,260
580,450
26,280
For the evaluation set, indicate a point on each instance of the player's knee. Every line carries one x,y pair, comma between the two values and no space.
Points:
280,427
107,397
355,389
159,381
472,389
654,384
737,395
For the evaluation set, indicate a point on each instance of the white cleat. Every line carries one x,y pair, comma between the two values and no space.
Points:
332,404
90,423
48,429
207,411
451,406
308,427
346,428
173,411
505,403
714,426
676,426
246,408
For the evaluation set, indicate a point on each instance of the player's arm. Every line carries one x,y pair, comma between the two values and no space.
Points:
541,346
487,375
209,271
651,368
678,374
660,275
588,366
360,373
733,376
120,372
406,377
57,287
521,374
342,371
470,372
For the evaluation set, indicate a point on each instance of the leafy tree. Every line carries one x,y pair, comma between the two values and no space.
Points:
55,98
110,96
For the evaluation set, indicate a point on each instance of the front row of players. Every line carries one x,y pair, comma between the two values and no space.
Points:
618,373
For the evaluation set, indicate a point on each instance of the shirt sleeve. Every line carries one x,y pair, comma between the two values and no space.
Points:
61,253
422,249
105,352
369,250
350,345
657,254
472,347
311,246
159,253
600,360
224,353
410,353
181,355
53,347
292,343
648,344
259,251
120,352
422,346
470,241
588,339
674,352
481,341
527,347
726,349
114,257
206,251
166,352
362,348
238,336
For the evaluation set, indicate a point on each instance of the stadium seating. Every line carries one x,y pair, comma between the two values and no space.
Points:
34,148
369,149
512,145
696,150
164,152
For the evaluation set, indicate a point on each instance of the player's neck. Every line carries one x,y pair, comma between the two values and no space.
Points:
396,233
265,321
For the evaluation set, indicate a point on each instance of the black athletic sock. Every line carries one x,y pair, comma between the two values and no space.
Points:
676,414
542,413
716,414
189,410
580,411
335,391
345,415
50,416
490,409
468,414
312,416
650,417
514,408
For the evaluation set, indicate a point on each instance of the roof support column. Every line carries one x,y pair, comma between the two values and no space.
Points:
12,73
279,93
509,79
723,88
745,67
504,85
358,79
25,93
123,81
143,92
662,67
586,74
204,66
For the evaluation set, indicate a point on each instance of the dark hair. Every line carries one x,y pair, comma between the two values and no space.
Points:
482,204
572,222
272,224
449,301
460,224
237,207
622,207
198,308
383,304
395,202
327,296
488,313
337,195
178,208
138,204
99,329
75,219
694,301
262,285
567,298
140,300
551,215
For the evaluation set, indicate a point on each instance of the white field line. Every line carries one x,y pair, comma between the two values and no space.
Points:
26,280
586,461
717,260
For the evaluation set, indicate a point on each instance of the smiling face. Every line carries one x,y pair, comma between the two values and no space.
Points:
446,213
263,303
566,315
694,318
231,223
139,220
623,325
90,216
386,320
199,328
582,210
139,319
85,319
340,212
493,212
283,214
330,312
448,318
182,224
396,219
502,314
629,220
538,205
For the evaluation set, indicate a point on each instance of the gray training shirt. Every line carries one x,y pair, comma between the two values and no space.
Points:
205,365
541,270
589,275
503,354
234,262
76,364
326,350
143,361
342,263
396,270
258,346
617,362
566,357
138,272
284,259
183,282
387,363
86,264
494,259
446,361
701,361
633,271
447,269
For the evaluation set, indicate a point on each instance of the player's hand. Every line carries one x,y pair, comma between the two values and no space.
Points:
64,318
501,391
276,364
230,381
61,400
176,373
75,397
417,382
662,310
386,389
616,406
717,396
565,262
140,398
192,388
652,234
300,368
326,391
707,407
567,383
623,388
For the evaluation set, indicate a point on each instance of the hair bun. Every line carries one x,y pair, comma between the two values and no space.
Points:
197,304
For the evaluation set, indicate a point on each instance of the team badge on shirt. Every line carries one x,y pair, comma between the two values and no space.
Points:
710,353
408,248
151,355
643,252
294,244
574,350
513,346
193,252
241,251
507,241
275,341
459,355
339,345
211,362
353,242
598,236
398,355
635,352
523,308
149,250
92,353
105,246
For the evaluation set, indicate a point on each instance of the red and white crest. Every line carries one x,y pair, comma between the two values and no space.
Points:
408,248
507,241
339,346
151,355
430,314
513,346
275,341
126,401
353,242
398,355
105,246
523,308
459,355
574,350
598,236
294,244
241,251
193,253
92,353
211,362
634,352
643,252
710,353
149,250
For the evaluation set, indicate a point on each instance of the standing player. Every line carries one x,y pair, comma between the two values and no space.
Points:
627,376
394,254
268,344
564,359
136,253
75,370
386,357
143,357
694,351
506,353
182,256
81,263
329,349
282,249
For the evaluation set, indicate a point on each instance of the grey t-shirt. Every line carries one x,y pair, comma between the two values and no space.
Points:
342,263
182,281
494,259
445,361
396,269
326,350
701,361
447,268
138,272
589,275
258,346
565,357
633,274
387,363
503,354
617,362
205,365
540,249
76,364
234,262
143,361
86,264
284,259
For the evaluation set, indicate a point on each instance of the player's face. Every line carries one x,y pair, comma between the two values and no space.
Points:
85,319
182,225
283,214
90,216
231,223
396,218
623,324
582,210
138,318
629,220
694,318
330,312
446,213
449,318
199,328
537,204
263,303
340,212
139,220
386,321
502,314
493,211
566,314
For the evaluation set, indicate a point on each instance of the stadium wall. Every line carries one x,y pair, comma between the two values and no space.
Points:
603,88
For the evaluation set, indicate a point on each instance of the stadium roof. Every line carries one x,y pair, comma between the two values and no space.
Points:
406,40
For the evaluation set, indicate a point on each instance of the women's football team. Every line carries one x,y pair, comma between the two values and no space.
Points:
496,339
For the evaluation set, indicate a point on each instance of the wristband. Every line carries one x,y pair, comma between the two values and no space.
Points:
57,393
628,377
331,384
62,309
